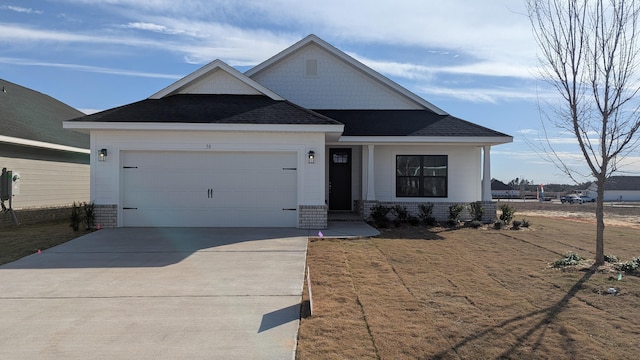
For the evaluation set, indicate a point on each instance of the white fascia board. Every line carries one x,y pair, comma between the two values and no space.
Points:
42,144
88,125
213,66
425,140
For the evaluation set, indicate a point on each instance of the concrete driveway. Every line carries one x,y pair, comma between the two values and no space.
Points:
150,293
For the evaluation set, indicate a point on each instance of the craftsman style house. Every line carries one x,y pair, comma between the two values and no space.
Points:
309,131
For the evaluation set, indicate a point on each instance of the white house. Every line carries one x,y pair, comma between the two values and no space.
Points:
618,188
52,163
308,131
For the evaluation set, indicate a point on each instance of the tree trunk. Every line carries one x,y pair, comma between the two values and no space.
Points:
600,181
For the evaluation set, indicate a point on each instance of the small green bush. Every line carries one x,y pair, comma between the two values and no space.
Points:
454,214
76,216
400,212
630,266
498,225
379,215
476,210
611,258
568,260
426,211
515,225
508,212
89,219
525,223
413,221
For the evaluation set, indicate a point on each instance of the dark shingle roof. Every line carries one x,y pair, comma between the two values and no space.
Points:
215,109
623,183
499,185
30,115
405,123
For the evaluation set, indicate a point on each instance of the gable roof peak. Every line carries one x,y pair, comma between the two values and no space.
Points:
208,69
314,39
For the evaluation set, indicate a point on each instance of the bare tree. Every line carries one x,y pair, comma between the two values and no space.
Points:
588,51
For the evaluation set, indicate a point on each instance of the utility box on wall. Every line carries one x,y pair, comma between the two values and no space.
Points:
6,184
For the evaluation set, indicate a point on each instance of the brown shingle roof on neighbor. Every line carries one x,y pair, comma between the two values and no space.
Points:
214,109
405,123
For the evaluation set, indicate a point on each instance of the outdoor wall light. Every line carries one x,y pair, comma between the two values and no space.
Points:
102,155
312,157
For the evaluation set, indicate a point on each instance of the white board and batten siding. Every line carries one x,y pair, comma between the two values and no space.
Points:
209,189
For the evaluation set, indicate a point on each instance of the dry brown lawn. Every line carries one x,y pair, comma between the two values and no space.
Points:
472,294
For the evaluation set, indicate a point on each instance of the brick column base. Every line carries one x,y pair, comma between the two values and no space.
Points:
106,215
312,217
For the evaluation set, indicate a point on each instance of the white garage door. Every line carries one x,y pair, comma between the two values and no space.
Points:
220,189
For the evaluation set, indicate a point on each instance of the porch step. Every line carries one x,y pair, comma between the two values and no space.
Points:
343,216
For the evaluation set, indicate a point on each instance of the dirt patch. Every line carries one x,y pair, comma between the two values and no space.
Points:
472,294
615,214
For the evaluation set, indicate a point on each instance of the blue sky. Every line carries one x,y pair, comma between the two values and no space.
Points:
473,59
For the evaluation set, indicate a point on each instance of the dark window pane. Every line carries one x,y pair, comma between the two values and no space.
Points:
408,186
435,186
407,165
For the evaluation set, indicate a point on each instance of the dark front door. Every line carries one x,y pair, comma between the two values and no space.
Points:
339,179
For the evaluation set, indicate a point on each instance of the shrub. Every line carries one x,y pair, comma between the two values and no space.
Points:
426,211
515,225
508,213
76,216
525,223
454,214
629,266
476,210
568,260
498,224
611,259
379,215
89,219
413,221
400,212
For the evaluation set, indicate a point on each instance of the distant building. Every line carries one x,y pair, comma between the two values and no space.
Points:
500,190
618,188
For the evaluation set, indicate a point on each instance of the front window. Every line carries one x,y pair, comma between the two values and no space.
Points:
421,175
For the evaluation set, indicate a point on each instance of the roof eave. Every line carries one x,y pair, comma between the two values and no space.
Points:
41,144
88,126
422,140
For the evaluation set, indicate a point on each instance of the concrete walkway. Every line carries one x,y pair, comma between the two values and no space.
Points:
160,293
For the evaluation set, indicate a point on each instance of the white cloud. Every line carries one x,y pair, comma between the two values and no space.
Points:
488,95
87,68
20,9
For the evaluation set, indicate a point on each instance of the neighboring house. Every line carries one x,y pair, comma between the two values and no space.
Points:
52,163
500,190
308,131
618,188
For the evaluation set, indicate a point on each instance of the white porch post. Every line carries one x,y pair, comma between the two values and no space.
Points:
486,174
371,193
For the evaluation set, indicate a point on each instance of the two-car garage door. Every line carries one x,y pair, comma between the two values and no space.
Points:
228,189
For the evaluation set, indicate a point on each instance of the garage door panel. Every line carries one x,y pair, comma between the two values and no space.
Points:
209,188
